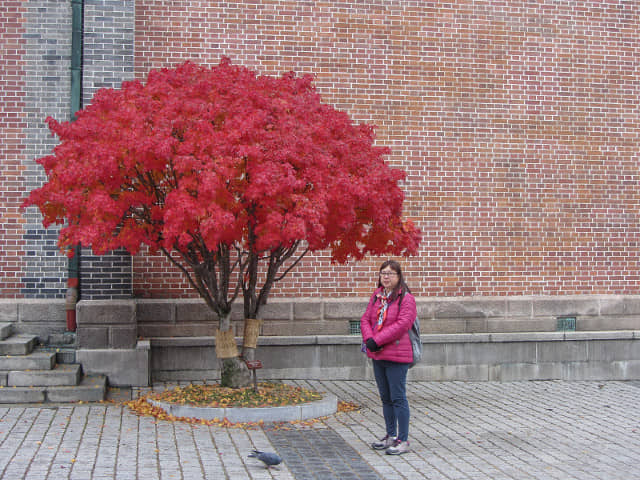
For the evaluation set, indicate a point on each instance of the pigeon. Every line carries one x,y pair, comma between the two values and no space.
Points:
268,458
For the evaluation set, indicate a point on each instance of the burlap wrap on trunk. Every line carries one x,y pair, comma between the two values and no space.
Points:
226,344
251,332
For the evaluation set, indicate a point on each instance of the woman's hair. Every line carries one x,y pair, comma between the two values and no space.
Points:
402,287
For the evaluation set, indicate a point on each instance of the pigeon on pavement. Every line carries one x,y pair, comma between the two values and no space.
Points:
268,458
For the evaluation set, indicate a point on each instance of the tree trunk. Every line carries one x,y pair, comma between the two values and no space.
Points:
233,371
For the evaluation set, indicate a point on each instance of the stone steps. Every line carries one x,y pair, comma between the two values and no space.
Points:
61,355
61,375
32,361
90,389
20,344
28,376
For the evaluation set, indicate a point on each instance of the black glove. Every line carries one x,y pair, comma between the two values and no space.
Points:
372,346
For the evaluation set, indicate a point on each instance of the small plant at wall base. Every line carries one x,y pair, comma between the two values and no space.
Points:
233,176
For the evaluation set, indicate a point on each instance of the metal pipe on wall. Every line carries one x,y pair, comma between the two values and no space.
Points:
77,27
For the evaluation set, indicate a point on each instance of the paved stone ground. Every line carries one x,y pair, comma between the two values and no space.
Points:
498,431
319,454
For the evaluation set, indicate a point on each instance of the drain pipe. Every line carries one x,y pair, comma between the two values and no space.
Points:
73,279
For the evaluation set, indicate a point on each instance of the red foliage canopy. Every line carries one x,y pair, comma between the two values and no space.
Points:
199,158
208,152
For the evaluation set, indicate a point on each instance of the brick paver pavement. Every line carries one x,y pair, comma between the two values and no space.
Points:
486,430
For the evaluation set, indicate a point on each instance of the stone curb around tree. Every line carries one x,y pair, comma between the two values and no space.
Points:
304,411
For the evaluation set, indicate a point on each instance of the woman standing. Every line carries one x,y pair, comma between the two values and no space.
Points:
385,333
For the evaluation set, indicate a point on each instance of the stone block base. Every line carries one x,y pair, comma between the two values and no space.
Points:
122,367
461,357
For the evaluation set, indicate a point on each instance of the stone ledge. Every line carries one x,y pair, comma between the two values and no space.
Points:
284,340
281,340
182,341
527,337
321,408
455,337
603,335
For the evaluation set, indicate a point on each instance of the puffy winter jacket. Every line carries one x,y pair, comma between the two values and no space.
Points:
393,337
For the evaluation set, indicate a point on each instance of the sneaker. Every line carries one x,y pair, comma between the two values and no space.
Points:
384,443
398,448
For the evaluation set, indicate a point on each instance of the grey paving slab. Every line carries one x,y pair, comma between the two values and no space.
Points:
553,430
320,454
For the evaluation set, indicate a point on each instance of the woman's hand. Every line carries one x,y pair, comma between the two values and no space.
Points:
372,346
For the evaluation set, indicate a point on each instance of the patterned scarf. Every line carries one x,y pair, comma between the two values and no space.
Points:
384,305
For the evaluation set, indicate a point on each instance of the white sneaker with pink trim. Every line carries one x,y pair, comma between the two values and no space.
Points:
398,448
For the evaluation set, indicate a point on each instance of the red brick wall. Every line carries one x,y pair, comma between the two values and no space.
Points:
12,136
517,123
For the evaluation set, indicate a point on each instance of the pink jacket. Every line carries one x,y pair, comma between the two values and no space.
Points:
393,337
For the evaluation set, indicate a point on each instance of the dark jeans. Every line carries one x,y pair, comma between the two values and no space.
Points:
391,378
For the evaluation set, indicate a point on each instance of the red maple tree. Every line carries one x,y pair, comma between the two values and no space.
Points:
233,176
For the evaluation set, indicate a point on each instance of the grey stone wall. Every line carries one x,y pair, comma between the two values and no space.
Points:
34,316
305,317
465,339
605,346
106,324
162,318
447,357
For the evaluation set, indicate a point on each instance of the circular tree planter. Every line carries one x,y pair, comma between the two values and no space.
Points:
303,411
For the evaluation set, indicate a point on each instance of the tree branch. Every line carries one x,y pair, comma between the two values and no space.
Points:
197,283
295,262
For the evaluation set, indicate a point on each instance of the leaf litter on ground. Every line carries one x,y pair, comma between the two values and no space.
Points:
267,394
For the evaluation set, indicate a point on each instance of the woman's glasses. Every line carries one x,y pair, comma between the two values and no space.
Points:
388,274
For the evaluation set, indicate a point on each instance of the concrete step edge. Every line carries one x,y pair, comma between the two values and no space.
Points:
32,361
92,388
6,329
61,375
22,395
21,344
